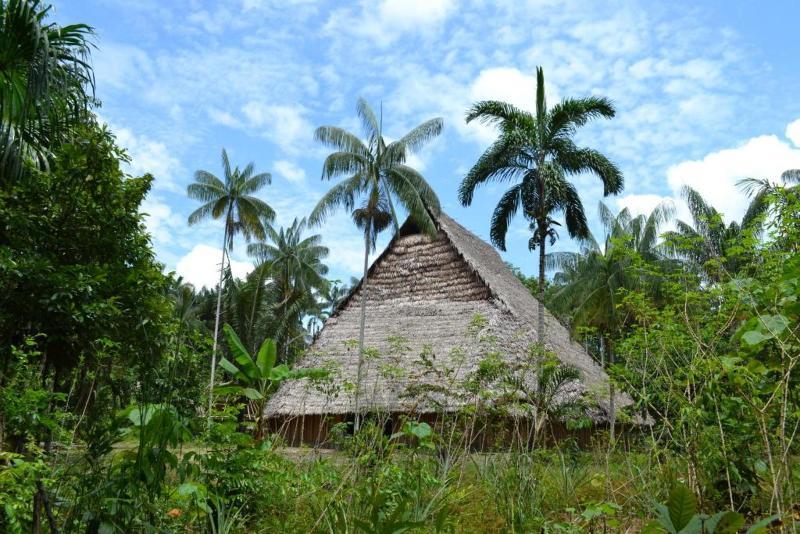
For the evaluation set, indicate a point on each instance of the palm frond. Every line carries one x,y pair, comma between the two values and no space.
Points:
341,140
254,183
422,134
368,119
572,113
582,160
343,163
495,112
498,163
505,210
792,176
342,194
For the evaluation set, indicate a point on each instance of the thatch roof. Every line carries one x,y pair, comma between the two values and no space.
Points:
451,301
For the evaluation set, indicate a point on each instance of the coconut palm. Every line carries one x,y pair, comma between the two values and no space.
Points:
708,244
243,214
537,153
45,82
295,265
375,177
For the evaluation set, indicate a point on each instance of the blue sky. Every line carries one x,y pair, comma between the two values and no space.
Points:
706,93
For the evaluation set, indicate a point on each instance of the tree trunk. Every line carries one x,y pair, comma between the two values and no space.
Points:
216,328
611,392
361,326
540,312
540,289
253,311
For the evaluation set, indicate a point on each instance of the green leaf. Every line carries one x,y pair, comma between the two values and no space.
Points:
761,526
232,369
775,324
694,526
729,362
267,355
280,373
187,488
653,527
229,390
682,506
240,353
421,430
754,337
252,394
725,523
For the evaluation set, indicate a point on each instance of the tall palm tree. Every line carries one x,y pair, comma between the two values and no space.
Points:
243,214
46,82
593,278
375,172
295,265
708,240
537,153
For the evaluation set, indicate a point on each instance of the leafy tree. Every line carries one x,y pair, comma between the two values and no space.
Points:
710,246
376,173
243,213
77,268
537,153
594,278
295,265
45,84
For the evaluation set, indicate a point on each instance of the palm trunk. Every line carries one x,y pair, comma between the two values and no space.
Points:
253,312
540,288
216,329
540,310
361,326
611,392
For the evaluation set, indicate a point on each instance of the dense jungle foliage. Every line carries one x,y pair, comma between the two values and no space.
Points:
112,420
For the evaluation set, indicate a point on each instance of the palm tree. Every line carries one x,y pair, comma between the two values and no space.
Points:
243,213
708,241
295,265
376,172
45,82
537,153
593,278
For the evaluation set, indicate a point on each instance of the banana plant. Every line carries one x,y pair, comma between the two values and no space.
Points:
257,378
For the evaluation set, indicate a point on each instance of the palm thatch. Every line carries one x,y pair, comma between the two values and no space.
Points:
431,297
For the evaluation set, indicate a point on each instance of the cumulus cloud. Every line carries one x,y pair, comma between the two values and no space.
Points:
290,171
793,132
715,176
150,156
162,223
200,266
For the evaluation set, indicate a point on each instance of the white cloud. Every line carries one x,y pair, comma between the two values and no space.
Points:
224,118
410,14
161,221
506,84
200,266
793,132
715,176
290,171
150,156
391,19
642,204
286,126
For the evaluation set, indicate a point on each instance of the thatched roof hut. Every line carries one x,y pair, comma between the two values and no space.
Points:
449,301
